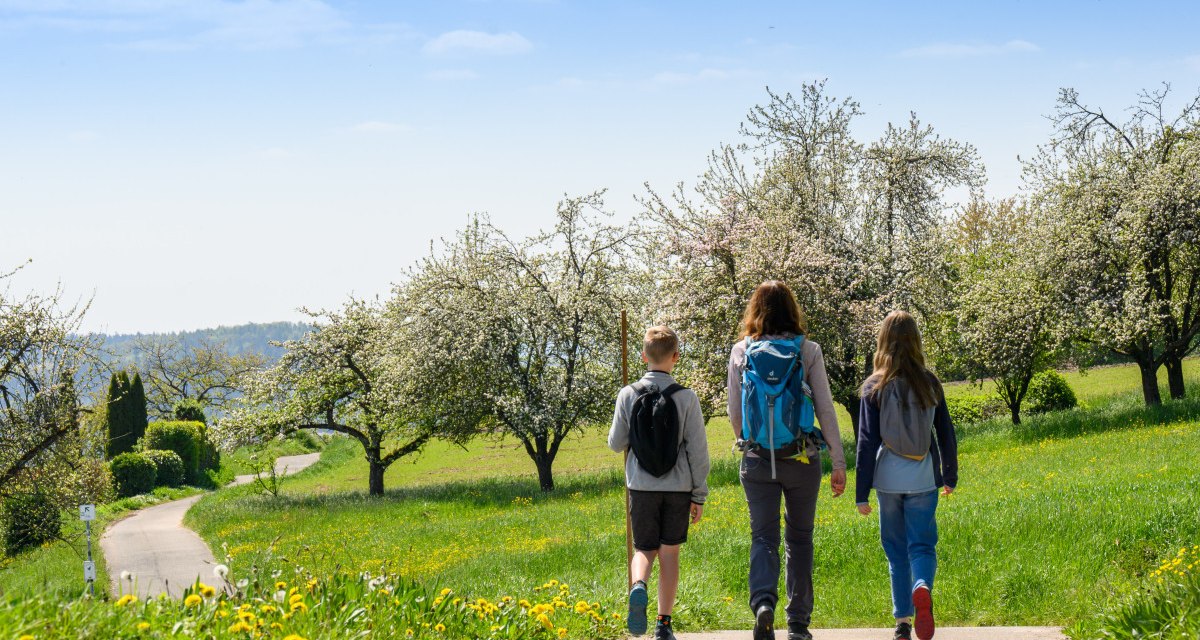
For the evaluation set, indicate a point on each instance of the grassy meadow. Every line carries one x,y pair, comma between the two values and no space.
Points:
1051,520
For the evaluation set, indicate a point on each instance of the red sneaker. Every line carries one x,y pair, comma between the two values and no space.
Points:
923,603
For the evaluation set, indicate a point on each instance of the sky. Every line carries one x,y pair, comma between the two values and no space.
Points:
195,163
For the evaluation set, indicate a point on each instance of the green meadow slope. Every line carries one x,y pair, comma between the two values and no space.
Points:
1050,521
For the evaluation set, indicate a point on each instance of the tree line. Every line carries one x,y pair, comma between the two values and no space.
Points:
496,335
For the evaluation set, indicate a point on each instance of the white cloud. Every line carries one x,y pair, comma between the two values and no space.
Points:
179,25
452,74
377,126
463,41
704,75
965,50
274,153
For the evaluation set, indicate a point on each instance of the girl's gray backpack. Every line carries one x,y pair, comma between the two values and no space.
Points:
905,426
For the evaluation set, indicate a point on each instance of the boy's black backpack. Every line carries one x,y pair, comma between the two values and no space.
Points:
654,428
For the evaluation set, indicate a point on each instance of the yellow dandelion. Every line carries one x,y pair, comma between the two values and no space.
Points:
128,598
562,632
439,627
293,636
192,600
143,626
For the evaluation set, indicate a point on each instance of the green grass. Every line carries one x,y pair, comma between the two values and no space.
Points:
297,605
238,463
1094,385
1051,519
56,568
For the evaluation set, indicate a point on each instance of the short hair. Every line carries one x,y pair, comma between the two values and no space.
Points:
660,343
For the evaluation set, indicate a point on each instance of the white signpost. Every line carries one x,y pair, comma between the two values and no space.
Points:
87,513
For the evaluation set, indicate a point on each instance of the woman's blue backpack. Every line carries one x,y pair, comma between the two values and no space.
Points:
777,407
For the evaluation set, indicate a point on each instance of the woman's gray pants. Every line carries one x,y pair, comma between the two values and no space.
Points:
797,485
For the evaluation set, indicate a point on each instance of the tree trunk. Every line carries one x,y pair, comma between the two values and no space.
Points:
1174,366
376,481
1015,408
853,406
545,476
1150,391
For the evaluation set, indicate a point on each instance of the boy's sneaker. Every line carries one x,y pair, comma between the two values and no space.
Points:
636,621
662,630
923,621
764,623
798,632
903,631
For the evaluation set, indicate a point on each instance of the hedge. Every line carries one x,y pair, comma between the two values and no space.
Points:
168,465
133,474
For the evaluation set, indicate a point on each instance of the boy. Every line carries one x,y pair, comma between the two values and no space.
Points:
663,499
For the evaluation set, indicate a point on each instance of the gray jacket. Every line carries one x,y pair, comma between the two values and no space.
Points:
691,468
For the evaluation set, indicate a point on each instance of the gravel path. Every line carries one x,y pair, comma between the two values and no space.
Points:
163,555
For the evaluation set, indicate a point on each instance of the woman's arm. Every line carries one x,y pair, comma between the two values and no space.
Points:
733,400
818,380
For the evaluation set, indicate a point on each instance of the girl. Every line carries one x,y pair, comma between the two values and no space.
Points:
773,314
906,451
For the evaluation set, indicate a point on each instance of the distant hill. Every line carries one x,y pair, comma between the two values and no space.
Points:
242,338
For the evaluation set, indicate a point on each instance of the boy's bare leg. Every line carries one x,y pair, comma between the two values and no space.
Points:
668,578
643,562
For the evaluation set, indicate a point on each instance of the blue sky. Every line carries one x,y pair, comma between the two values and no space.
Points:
191,163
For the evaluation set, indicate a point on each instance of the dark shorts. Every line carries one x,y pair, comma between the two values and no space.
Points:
659,518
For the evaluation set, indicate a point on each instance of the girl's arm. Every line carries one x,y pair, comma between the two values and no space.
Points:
947,443
868,445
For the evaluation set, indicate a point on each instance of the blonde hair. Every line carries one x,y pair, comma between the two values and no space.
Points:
772,310
898,354
660,343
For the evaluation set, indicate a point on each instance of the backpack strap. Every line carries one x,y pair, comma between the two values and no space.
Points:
640,388
670,391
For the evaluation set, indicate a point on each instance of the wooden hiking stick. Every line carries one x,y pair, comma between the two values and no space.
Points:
628,525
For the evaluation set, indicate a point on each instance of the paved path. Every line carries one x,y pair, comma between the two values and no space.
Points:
163,555
943,633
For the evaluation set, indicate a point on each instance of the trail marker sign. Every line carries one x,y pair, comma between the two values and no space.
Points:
87,512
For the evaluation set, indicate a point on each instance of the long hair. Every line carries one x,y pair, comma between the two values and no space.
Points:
772,310
898,354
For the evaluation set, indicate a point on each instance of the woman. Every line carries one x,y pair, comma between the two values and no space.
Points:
906,451
796,479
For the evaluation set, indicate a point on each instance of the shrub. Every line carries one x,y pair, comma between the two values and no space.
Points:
210,456
184,438
1049,391
189,410
168,465
133,474
972,409
32,519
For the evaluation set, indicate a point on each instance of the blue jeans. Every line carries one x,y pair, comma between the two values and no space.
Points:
908,530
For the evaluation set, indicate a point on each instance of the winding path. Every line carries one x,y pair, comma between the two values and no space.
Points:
163,555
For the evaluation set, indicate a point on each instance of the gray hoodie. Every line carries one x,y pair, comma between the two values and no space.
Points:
691,468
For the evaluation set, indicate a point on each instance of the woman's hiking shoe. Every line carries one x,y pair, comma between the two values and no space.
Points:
923,621
662,630
903,631
798,632
636,621
764,623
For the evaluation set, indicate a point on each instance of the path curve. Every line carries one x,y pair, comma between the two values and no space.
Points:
163,555
943,633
